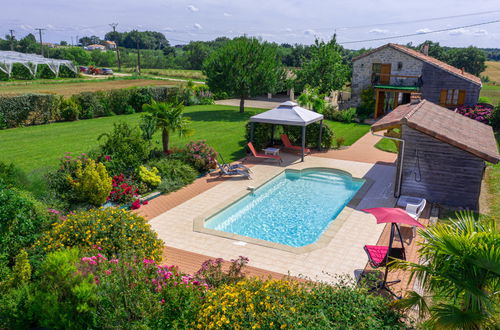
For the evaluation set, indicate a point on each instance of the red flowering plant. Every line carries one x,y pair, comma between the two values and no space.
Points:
124,190
481,113
202,156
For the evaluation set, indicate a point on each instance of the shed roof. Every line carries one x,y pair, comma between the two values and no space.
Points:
444,125
287,113
428,59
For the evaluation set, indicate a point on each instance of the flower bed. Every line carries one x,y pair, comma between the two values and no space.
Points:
479,112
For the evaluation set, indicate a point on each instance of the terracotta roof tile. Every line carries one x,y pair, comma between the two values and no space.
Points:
445,125
428,59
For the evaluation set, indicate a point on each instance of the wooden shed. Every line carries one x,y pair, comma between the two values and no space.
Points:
442,154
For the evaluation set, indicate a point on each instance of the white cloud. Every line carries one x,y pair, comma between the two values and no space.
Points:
424,30
458,32
481,32
378,31
26,27
310,32
197,26
288,30
50,26
193,8
168,29
227,14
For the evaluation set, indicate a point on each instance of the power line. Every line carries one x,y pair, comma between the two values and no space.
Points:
420,33
415,21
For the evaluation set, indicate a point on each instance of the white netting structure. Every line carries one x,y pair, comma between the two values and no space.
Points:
31,62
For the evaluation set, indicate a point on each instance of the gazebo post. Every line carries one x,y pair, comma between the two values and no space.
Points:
272,134
252,127
320,134
303,140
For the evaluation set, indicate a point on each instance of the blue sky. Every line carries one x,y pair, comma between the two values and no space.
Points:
291,21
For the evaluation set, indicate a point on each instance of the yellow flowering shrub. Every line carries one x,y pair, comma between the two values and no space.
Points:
91,183
149,177
111,230
252,304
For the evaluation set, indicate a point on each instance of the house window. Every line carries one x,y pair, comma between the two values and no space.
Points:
376,69
400,66
452,97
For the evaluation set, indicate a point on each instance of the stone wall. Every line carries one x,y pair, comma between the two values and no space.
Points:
362,69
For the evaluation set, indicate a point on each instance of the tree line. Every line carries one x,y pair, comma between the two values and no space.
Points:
158,53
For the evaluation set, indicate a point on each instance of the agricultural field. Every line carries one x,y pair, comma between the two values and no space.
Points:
69,87
196,75
491,89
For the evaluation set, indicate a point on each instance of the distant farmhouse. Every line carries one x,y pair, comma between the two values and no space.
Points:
109,44
95,47
395,72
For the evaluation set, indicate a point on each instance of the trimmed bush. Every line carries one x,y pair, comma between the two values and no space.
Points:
125,148
261,134
70,110
113,231
312,135
28,109
175,174
91,182
22,219
90,105
140,96
118,101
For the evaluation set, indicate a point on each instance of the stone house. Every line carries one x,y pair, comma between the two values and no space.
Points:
395,72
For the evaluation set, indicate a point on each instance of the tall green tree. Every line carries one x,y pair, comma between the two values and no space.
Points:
197,52
461,273
325,70
243,67
169,118
472,59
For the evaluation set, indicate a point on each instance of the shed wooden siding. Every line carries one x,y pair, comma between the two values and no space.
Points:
435,80
445,174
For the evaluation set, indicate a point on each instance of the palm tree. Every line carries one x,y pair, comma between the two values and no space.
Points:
461,274
169,119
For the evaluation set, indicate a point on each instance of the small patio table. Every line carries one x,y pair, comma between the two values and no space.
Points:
272,151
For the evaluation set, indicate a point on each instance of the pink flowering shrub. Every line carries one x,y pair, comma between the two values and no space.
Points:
478,112
157,296
201,155
212,273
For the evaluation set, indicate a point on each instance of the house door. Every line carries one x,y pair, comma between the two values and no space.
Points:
385,74
380,102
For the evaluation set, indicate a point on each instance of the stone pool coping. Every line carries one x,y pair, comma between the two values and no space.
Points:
324,239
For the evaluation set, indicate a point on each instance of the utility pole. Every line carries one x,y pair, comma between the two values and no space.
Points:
138,56
114,25
11,40
40,34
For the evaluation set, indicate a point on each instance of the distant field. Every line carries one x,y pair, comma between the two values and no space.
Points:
492,71
492,92
170,73
75,86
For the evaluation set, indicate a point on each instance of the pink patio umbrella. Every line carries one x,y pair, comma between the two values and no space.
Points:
392,216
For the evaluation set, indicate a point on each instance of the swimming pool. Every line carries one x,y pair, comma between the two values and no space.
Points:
294,208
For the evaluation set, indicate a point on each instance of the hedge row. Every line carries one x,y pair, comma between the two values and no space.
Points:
35,109
20,72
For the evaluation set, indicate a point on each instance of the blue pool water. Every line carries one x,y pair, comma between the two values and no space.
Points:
294,208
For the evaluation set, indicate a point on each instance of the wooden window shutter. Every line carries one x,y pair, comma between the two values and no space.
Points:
442,98
461,97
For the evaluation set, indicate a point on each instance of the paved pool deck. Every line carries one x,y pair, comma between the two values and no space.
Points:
344,254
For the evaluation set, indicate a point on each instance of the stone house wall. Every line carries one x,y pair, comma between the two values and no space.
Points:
362,69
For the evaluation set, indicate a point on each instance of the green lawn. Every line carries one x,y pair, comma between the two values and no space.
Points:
39,147
386,145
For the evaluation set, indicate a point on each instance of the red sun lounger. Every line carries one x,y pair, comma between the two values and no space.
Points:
289,145
261,155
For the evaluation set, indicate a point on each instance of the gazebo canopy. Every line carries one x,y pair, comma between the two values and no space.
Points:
287,113
31,62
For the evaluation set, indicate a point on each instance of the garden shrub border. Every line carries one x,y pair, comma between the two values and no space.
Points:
37,109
